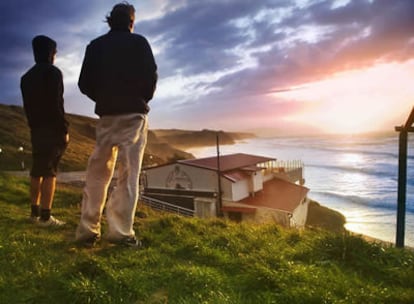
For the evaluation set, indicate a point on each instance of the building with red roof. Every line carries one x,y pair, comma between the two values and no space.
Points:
240,186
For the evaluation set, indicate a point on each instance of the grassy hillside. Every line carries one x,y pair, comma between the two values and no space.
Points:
323,217
14,133
188,260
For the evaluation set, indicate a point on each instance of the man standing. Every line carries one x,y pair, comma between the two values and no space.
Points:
42,91
119,74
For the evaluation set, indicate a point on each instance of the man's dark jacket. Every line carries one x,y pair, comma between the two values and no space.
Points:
119,73
42,91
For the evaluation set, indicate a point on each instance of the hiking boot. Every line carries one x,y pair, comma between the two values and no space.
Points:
50,222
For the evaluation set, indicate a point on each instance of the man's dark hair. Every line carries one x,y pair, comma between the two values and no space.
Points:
121,16
43,48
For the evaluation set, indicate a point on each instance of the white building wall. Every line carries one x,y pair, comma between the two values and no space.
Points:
257,179
155,177
232,192
190,178
205,207
227,189
300,215
198,179
240,190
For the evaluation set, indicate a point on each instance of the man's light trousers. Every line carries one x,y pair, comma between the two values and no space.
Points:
120,139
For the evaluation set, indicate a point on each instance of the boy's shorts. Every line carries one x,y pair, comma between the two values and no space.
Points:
48,147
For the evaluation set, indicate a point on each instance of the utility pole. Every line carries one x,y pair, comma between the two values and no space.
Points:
402,178
219,194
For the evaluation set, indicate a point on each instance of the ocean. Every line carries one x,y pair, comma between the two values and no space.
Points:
356,175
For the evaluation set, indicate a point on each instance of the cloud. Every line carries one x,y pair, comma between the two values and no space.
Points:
218,60
198,37
357,35
65,22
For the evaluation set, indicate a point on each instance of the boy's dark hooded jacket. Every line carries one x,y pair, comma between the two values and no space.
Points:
42,91
119,73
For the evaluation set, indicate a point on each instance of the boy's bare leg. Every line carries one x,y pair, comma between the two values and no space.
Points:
35,186
35,194
48,187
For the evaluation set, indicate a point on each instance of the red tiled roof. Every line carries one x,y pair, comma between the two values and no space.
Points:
277,194
227,162
236,175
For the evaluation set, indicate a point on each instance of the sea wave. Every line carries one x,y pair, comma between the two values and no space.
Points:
410,181
388,173
384,148
365,202
318,147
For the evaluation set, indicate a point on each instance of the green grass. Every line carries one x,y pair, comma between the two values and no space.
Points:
188,260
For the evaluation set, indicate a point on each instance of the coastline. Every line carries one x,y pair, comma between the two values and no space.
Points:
371,239
354,176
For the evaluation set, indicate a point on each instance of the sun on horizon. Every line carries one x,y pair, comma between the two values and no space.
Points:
358,101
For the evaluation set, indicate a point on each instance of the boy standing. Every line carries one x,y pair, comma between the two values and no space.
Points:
119,74
42,91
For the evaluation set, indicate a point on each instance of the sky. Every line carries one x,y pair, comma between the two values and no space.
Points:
272,67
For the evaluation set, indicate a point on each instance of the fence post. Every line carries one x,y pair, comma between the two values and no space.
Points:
402,177
402,185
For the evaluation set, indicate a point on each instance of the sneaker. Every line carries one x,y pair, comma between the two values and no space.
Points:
89,242
129,242
50,222
34,219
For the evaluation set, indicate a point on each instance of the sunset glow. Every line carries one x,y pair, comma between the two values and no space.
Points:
357,101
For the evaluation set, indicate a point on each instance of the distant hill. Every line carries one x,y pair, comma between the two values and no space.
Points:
163,145
188,139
